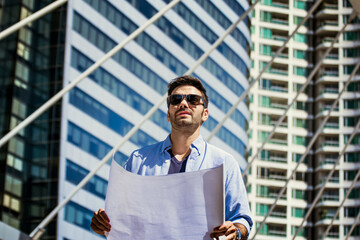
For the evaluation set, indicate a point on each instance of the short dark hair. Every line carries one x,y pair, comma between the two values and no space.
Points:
188,80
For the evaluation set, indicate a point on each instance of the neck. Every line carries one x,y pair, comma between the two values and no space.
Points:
181,141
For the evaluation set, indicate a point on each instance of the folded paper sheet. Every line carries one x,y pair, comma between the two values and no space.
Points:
176,206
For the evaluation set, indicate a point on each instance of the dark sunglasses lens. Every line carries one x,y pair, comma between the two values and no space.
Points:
175,99
193,99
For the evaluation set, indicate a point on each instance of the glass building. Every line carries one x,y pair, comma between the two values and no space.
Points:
62,146
31,71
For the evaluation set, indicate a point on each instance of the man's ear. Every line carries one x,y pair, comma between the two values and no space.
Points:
205,115
168,115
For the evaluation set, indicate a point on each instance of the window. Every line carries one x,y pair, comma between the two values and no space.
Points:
355,233
265,50
351,36
354,141
352,157
299,54
300,4
352,104
300,71
78,215
296,157
75,173
297,21
350,175
262,191
299,140
17,146
13,185
354,194
299,122
351,212
302,38
265,33
265,16
299,194
105,116
262,209
351,52
298,212
302,232
75,132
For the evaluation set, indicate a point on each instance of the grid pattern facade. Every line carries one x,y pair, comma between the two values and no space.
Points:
272,22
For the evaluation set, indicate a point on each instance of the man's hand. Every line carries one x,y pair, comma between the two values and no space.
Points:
100,222
229,229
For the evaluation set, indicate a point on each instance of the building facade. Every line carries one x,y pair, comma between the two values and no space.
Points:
272,22
97,113
31,71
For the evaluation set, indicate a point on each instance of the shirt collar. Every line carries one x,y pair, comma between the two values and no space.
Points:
197,145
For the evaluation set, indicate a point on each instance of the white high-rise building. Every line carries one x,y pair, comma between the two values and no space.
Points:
273,21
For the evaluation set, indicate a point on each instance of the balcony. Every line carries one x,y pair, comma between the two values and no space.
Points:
332,179
328,23
279,38
278,141
332,125
327,197
329,6
328,107
280,4
274,232
333,56
276,89
276,176
280,21
283,124
279,159
330,144
278,105
327,160
330,90
329,73
278,214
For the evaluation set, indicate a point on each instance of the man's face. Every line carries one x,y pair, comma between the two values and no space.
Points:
185,115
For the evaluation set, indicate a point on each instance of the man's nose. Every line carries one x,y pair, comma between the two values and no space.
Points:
184,103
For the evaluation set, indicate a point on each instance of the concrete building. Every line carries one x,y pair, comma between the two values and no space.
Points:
97,114
272,22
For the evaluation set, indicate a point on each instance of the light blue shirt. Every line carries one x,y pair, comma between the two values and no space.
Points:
155,160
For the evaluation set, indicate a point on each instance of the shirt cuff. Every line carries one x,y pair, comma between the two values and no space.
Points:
245,223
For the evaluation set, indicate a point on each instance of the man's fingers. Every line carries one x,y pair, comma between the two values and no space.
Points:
96,229
223,227
231,236
100,224
230,231
103,215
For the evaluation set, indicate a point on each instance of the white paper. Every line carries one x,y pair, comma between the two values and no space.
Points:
176,206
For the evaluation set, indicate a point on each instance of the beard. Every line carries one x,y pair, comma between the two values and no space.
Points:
188,122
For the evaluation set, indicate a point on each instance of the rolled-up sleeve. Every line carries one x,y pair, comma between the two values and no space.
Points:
236,202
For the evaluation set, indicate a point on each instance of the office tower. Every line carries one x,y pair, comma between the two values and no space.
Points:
99,111
31,71
272,22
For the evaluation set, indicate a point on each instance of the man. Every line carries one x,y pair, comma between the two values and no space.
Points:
184,150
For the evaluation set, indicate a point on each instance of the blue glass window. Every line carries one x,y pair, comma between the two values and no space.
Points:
169,60
79,137
123,57
107,117
78,215
75,173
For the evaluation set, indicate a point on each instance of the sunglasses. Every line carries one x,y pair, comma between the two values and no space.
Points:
192,99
